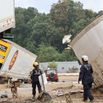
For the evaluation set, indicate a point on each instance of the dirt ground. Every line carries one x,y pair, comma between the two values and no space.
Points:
67,85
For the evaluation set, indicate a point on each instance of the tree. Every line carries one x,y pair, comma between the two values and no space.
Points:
52,65
68,55
22,31
47,53
42,33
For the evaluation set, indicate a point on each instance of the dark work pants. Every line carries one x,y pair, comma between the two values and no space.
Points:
34,84
87,91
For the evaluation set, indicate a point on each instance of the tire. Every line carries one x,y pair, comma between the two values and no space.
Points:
57,80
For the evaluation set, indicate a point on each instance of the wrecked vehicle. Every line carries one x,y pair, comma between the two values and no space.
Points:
52,75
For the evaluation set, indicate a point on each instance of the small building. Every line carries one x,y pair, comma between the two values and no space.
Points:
63,67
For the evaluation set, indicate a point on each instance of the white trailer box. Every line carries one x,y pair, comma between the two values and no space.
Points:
18,62
7,17
90,42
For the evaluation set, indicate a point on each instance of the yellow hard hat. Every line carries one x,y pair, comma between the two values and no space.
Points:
35,64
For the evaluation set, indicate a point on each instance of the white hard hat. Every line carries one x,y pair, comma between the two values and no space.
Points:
85,58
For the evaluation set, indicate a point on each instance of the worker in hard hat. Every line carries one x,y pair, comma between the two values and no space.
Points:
86,77
36,72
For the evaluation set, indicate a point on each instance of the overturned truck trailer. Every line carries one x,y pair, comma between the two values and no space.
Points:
15,61
90,42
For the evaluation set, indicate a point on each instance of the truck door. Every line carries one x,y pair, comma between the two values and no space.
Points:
4,50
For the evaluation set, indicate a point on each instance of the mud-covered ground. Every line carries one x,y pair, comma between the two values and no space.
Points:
67,90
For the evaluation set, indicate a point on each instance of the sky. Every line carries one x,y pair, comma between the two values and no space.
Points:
41,5
45,5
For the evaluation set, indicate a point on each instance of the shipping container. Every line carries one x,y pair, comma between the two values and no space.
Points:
7,15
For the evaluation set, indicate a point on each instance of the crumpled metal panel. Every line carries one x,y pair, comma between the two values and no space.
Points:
90,42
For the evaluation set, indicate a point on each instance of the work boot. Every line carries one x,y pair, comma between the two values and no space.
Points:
92,100
84,100
33,97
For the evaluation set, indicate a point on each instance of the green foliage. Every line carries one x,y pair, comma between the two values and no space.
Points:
47,53
68,55
42,33
52,65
